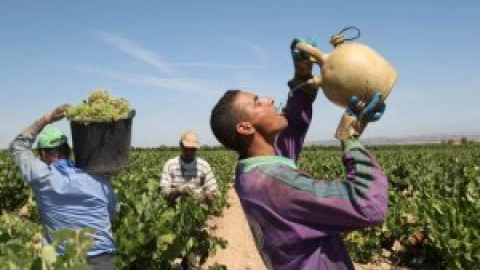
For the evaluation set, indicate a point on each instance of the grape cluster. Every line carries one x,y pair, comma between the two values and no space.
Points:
100,106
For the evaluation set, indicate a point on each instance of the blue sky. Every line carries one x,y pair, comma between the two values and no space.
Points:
173,59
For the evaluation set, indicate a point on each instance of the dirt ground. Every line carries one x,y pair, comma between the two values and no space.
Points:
241,253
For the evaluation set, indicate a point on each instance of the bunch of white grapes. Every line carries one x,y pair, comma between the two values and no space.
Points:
100,106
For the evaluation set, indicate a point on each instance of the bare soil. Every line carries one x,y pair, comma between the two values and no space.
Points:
241,253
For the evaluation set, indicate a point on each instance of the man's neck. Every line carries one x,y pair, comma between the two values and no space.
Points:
187,160
260,147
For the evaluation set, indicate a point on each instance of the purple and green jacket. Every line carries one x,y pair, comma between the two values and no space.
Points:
297,221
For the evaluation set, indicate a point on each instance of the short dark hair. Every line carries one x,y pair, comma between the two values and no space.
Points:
224,119
63,150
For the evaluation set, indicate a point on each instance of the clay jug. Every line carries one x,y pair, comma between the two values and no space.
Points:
350,69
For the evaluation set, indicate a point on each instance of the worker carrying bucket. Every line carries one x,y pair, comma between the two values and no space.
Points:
351,70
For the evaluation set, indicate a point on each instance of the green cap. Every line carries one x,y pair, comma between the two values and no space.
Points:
51,137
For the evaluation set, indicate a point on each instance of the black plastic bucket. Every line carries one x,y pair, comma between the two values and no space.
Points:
102,147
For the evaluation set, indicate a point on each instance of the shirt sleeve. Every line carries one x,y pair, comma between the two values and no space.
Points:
166,179
298,112
210,183
358,201
30,166
113,205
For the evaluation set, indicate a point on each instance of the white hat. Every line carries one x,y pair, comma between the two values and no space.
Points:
189,139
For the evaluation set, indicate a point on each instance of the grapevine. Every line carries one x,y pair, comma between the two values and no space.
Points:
100,106
432,221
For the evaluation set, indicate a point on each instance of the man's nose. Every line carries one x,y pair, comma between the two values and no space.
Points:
268,101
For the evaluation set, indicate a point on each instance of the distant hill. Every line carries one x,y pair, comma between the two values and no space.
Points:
421,139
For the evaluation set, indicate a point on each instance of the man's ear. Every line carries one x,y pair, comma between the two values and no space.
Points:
41,154
245,128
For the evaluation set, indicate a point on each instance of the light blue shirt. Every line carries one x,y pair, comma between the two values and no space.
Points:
68,197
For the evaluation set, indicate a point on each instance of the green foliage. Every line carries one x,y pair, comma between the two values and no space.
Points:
100,106
434,204
17,237
76,245
12,189
432,222
21,246
150,233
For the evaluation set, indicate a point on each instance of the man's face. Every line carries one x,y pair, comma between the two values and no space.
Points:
188,153
262,113
47,156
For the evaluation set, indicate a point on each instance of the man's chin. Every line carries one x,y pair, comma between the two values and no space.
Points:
285,119
285,123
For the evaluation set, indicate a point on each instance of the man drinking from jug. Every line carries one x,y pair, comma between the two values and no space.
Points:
297,221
